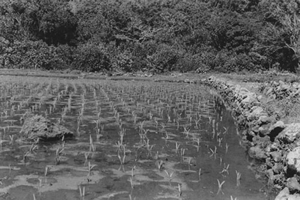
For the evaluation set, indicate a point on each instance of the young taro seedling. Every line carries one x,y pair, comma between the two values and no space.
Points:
177,145
213,152
238,178
179,190
81,190
225,169
220,185
220,142
47,169
92,146
199,174
122,159
226,148
58,154
186,131
159,164
90,167
170,175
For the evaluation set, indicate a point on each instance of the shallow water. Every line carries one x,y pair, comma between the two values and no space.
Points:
133,140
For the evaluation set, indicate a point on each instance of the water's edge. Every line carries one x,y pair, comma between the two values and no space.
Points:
269,140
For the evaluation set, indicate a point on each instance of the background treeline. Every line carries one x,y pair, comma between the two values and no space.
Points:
152,35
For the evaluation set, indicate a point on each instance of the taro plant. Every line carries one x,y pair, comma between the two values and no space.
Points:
225,169
47,168
177,145
213,152
226,148
199,174
92,146
170,175
220,186
81,190
58,154
90,168
238,178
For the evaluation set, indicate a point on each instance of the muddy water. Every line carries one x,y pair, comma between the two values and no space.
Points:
133,140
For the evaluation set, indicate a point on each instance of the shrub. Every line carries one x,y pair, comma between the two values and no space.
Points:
192,63
37,54
91,58
231,62
165,58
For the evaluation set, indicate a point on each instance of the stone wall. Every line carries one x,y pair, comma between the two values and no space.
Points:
269,140
280,90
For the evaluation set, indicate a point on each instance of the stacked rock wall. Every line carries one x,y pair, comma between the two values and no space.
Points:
275,144
280,90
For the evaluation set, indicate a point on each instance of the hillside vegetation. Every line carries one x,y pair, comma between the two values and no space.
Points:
151,35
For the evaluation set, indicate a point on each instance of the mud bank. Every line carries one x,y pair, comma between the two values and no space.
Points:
274,144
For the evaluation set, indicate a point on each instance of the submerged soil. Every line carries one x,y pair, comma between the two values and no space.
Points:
134,140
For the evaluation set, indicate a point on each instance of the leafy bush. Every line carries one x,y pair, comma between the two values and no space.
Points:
165,58
37,55
231,62
66,55
123,60
240,62
191,62
91,58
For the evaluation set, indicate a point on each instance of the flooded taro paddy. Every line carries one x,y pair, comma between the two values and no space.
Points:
132,140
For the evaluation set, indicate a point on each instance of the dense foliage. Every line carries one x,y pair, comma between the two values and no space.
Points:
152,35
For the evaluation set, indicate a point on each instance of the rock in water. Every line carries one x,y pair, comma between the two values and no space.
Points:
38,127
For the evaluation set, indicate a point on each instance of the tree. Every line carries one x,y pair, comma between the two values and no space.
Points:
108,21
51,21
11,31
91,58
280,39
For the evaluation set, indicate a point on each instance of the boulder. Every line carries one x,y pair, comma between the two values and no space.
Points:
276,156
275,129
285,195
264,119
278,124
269,91
263,131
278,168
284,86
38,127
251,98
290,133
293,160
256,112
243,92
257,153
293,184
296,85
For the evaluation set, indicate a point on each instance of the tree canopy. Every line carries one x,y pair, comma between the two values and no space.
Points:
152,35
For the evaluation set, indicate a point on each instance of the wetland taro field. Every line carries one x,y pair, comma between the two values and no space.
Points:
132,140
